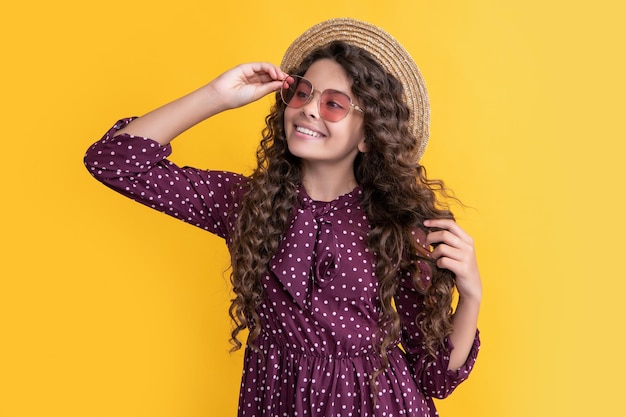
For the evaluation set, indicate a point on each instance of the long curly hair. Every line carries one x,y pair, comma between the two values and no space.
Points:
397,197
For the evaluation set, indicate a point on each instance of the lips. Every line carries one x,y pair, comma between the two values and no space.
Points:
308,132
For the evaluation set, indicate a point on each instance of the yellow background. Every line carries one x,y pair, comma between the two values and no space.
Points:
110,309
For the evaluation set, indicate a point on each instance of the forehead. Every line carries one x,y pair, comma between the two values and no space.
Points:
326,73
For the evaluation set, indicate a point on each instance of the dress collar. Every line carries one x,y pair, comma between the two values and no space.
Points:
345,200
308,255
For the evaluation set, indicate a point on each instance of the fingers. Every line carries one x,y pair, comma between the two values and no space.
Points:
454,250
448,239
246,83
449,255
266,77
263,72
449,225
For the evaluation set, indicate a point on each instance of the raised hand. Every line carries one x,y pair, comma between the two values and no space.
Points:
234,88
246,83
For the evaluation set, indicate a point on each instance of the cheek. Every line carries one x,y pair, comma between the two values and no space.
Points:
359,130
289,114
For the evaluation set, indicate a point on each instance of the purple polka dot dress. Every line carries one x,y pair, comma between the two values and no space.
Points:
320,313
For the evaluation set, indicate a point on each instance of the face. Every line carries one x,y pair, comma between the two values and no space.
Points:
315,140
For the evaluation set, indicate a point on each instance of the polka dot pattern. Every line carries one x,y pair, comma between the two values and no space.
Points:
319,317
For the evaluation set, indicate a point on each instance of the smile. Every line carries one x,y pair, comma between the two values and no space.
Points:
308,132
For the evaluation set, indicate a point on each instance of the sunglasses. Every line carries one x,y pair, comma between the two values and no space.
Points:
333,105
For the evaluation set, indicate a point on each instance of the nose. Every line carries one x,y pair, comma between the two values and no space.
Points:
311,107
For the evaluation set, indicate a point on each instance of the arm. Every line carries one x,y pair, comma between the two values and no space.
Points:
138,168
235,88
131,157
437,376
456,253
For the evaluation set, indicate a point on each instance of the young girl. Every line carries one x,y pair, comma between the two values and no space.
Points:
343,261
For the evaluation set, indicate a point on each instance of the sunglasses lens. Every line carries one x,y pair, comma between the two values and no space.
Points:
296,91
334,105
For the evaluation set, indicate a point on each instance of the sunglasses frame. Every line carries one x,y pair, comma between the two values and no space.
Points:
319,102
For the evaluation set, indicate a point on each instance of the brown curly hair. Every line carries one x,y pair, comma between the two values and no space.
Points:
397,197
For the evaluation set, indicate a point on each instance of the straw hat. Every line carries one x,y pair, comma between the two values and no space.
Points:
382,46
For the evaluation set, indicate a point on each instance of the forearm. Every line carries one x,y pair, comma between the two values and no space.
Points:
166,122
234,88
465,323
438,375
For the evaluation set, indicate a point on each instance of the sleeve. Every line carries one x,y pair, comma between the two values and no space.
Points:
432,374
138,168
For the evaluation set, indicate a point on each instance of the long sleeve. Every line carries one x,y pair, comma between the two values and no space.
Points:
138,168
431,374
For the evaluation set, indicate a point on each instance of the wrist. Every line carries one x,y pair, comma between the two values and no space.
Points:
471,299
211,100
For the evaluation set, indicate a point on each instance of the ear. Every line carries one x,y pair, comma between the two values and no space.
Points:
363,146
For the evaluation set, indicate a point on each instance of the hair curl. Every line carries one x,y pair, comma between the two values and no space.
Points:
397,196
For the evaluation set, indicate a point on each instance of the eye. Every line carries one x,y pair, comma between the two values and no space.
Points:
335,100
302,90
301,94
334,105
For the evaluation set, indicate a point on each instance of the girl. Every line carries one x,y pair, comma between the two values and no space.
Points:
343,261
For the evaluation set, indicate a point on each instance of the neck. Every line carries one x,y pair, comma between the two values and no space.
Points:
326,184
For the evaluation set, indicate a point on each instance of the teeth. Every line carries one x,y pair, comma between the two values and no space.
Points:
308,132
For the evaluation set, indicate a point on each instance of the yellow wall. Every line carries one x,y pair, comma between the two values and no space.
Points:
110,309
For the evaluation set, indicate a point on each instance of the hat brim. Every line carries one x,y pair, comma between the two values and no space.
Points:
387,51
